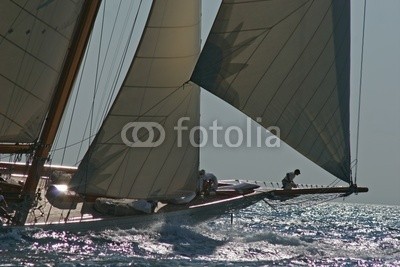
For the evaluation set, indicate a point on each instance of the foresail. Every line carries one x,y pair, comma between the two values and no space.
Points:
286,63
154,94
34,40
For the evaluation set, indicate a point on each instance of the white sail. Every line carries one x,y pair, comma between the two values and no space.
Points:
34,40
154,91
288,63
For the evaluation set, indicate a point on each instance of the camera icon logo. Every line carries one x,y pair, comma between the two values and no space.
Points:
149,127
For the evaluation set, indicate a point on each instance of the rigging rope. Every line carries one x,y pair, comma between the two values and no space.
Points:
359,93
74,106
96,78
117,77
113,59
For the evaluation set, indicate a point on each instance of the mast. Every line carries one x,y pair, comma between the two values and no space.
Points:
58,104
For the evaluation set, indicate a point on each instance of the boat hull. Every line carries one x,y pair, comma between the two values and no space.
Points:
182,215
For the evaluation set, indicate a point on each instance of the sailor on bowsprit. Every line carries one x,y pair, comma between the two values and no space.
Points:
287,182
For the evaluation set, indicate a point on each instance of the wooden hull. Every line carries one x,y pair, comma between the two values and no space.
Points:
232,196
182,215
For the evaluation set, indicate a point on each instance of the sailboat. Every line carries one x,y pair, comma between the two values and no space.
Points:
288,66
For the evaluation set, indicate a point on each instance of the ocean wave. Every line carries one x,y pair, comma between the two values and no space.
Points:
329,234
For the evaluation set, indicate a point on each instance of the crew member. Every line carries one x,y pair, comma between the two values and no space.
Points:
206,183
287,182
3,206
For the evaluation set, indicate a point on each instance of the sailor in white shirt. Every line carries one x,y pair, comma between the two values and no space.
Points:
287,182
206,183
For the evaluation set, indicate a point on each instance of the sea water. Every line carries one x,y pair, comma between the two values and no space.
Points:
329,234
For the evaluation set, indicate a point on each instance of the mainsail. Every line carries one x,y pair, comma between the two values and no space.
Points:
154,92
34,40
286,62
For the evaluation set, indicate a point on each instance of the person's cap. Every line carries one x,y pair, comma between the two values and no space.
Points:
297,171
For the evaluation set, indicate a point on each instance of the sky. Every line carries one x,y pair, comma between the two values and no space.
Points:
379,142
380,121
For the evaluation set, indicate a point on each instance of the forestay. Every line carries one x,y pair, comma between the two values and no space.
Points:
155,91
286,63
34,40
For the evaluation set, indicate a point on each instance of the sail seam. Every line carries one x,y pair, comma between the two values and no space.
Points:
14,122
141,168
28,53
322,107
276,56
145,32
159,102
310,71
325,125
12,23
22,88
170,151
290,71
112,179
252,54
42,21
332,137
18,102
